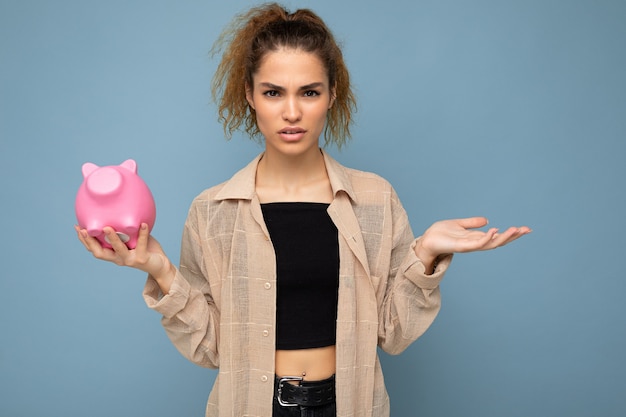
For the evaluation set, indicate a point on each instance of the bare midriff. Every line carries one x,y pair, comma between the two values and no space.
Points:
313,364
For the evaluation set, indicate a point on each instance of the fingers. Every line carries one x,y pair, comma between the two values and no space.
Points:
88,241
142,238
94,246
511,234
477,240
82,234
119,247
142,254
141,257
500,239
491,239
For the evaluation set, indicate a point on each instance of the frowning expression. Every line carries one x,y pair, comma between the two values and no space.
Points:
291,97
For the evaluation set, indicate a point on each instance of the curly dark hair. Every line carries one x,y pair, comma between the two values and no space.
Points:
265,29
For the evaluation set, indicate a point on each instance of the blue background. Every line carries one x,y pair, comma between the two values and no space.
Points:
515,110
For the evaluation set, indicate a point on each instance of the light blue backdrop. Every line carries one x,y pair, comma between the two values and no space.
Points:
515,110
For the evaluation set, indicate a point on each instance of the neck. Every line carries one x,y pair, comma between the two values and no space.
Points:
293,178
291,170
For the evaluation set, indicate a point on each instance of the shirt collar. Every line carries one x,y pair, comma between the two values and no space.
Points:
242,185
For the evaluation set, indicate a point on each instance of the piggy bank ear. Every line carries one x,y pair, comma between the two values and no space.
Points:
130,165
88,168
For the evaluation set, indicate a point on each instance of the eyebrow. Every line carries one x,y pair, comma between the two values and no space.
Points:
304,87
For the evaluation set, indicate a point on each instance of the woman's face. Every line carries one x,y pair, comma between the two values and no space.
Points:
291,96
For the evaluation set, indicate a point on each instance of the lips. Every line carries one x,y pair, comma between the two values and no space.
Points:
291,134
291,130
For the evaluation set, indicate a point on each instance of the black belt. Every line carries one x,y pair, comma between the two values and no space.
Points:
307,393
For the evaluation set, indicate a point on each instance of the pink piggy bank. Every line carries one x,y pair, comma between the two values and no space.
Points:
114,196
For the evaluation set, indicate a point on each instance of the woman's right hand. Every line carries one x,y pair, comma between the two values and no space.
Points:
148,255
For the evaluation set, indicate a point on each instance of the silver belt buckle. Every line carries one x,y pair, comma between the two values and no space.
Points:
281,381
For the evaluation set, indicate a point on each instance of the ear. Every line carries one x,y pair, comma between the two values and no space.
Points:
130,165
88,168
333,96
249,96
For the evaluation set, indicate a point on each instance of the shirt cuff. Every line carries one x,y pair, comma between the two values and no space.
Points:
173,302
415,270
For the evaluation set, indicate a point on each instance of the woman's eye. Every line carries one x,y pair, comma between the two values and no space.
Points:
311,93
271,93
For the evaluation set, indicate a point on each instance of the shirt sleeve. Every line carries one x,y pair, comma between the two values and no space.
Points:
190,315
412,299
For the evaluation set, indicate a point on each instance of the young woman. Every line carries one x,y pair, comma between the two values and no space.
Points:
297,268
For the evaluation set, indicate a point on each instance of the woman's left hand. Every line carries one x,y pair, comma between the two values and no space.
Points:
458,236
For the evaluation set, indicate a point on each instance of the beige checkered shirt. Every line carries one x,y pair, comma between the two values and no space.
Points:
220,311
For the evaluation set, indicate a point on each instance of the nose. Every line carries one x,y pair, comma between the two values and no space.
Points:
291,110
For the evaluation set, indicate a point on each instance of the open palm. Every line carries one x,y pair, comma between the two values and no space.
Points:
460,236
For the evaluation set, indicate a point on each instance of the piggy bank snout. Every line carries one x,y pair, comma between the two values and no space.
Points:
117,197
106,181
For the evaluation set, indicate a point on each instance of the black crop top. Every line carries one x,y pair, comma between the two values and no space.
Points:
307,265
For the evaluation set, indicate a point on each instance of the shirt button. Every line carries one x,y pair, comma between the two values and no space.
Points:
266,333
264,378
267,285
